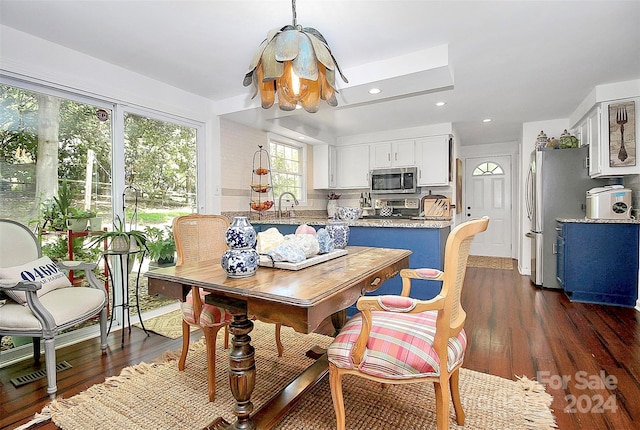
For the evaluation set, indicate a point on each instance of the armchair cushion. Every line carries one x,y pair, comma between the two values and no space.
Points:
394,303
42,270
210,315
428,273
400,346
64,304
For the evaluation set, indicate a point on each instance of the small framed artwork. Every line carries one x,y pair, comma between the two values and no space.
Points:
622,134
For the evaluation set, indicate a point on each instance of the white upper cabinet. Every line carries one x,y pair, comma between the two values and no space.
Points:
324,166
591,129
397,153
605,125
432,159
349,166
352,166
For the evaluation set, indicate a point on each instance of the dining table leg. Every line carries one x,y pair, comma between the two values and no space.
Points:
338,320
242,371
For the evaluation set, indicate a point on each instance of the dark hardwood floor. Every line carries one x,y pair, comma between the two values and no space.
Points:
514,329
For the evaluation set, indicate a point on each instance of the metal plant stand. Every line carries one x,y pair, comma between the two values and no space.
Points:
124,258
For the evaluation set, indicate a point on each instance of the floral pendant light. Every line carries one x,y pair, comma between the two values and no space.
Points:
296,64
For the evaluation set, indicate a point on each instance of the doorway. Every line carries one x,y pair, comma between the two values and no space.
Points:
488,193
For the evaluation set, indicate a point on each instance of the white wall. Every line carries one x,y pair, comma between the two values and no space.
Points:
26,57
404,133
602,93
240,145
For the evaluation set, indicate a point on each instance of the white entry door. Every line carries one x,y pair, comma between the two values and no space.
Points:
488,193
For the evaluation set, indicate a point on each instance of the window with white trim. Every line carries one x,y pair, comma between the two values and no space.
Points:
288,167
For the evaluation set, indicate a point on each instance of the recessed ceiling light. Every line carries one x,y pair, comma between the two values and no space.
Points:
441,103
486,120
374,91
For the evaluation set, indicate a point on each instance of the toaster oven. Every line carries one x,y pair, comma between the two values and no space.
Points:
609,202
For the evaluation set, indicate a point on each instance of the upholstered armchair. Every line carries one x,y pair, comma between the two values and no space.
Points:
38,300
400,340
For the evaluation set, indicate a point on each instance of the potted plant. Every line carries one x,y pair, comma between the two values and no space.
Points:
50,217
160,244
121,240
78,219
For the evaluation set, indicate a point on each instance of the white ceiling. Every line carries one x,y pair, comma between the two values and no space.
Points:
511,61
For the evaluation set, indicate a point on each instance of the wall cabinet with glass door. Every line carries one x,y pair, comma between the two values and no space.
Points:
352,166
432,159
397,153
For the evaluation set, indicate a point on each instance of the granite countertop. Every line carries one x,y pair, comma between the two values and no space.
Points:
599,221
403,223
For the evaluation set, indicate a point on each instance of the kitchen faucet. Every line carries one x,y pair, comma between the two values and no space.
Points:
280,202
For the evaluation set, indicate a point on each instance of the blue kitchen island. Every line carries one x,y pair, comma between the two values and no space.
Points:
426,240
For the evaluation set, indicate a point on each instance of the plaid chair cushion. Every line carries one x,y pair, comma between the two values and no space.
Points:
210,315
399,346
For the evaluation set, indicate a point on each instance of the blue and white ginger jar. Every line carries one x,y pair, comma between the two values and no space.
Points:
339,232
240,234
240,263
241,260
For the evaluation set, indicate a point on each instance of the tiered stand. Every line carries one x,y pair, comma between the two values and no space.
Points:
261,185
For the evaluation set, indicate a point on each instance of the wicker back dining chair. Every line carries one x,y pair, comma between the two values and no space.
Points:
200,238
39,300
399,340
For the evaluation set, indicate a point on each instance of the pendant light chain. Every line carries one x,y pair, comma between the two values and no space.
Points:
293,12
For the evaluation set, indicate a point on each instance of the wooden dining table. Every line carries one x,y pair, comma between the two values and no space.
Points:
301,299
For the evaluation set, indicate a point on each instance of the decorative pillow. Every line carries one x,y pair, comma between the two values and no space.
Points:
42,270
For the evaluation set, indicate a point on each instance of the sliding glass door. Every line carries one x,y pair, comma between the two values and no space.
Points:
55,174
53,145
158,184
67,157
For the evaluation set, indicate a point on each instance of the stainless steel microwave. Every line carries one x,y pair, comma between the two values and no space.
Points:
400,180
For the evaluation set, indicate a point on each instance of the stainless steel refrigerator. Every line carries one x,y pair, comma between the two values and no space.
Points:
557,184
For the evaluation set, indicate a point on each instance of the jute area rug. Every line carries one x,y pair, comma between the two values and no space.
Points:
490,262
158,396
167,325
